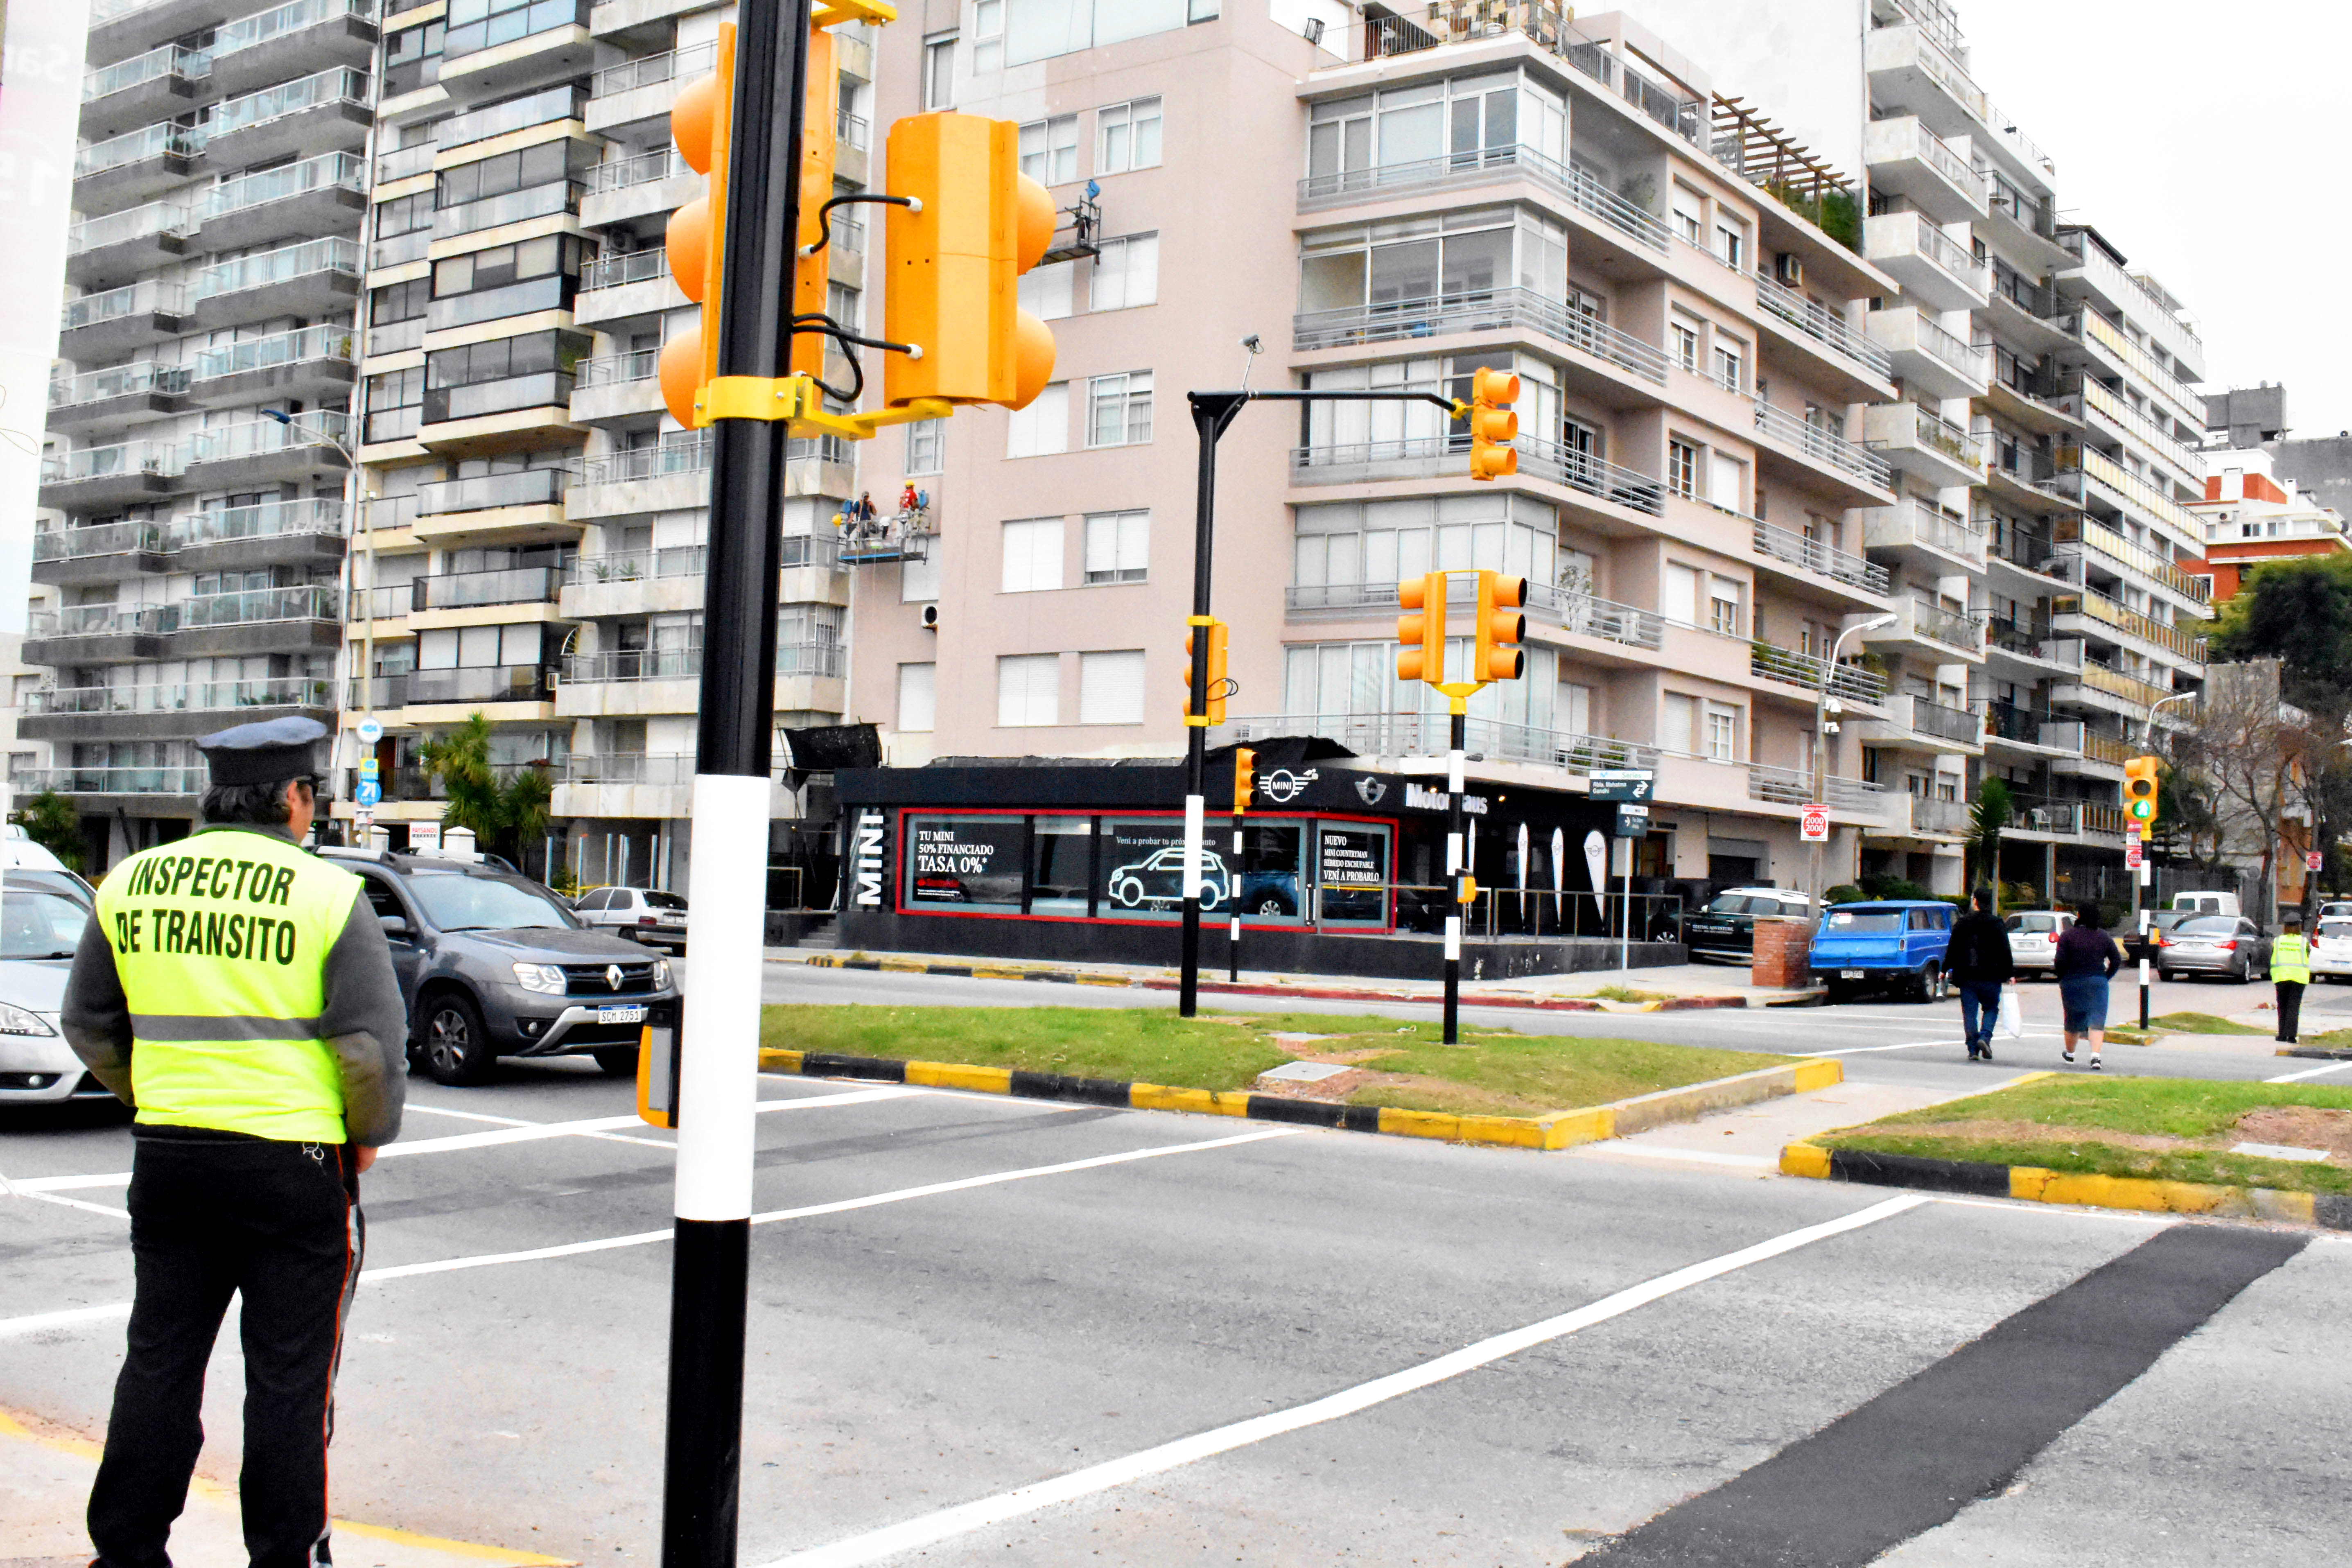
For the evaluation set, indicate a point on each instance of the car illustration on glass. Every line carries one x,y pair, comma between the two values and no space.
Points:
1159,879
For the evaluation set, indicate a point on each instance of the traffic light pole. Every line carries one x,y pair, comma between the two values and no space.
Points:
1457,740
719,1077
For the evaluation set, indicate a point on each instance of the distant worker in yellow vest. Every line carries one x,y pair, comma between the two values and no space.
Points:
236,990
2290,972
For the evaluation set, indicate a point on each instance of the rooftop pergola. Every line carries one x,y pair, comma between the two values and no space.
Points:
1764,154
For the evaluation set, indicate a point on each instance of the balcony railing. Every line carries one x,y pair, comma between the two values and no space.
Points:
1794,786
2013,723
2097,606
551,293
2091,327
1414,735
2116,683
1580,614
341,171
813,659
470,30
2139,426
617,369
147,297
632,664
527,487
262,26
1849,681
103,621
850,130
2034,640
471,590
282,265
562,101
642,565
136,146
642,170
658,768
1936,434
683,455
2130,489
628,267
339,85
314,603
1823,325
2139,558
1539,459
1484,311
480,683
697,59
547,389
108,462
201,697
1823,445
820,551
404,163
111,781
318,515
121,381
1583,192
389,603
513,206
302,346
1952,628
259,437
395,337
1923,716
105,539
1956,261
171,60
2122,285
1913,521
156,218
1785,544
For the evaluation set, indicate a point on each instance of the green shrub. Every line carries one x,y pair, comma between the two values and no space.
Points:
1844,893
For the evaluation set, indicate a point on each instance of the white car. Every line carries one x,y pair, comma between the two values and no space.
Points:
2033,938
2331,950
38,933
645,915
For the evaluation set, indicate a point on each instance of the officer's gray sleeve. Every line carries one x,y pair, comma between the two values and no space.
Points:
97,1016
365,1024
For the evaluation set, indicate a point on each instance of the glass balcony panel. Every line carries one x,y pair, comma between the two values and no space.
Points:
321,427
201,697
513,206
547,390
552,292
153,141
251,32
339,85
470,30
172,59
136,222
278,266
530,487
480,683
319,514
469,590
562,101
120,381
313,603
335,170
299,347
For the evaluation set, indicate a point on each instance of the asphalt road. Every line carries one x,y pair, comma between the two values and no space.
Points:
995,1331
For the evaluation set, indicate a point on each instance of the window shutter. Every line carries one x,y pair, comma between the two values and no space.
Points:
1110,687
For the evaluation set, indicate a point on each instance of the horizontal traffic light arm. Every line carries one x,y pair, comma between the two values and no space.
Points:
1452,405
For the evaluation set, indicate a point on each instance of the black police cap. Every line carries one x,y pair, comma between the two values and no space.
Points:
271,752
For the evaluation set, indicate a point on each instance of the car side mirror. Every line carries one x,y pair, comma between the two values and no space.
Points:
394,925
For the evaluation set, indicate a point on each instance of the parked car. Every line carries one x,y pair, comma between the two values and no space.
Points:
2033,939
2331,948
1897,943
2208,903
644,915
39,929
493,964
62,882
1724,932
2333,908
2222,947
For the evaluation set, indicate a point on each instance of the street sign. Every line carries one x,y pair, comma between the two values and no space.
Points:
2312,861
367,794
367,767
2132,854
1623,784
1633,821
371,731
1816,823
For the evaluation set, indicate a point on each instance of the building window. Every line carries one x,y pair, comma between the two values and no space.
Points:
1043,427
396,401
1127,136
927,447
546,163
1681,469
1049,150
411,59
1119,409
1126,274
1685,341
1722,738
403,215
1723,606
1110,687
1731,245
988,34
1690,222
918,581
1033,555
1046,291
918,697
1028,691
1730,363
1119,547
939,81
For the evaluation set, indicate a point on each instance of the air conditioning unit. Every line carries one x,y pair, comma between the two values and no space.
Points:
1789,270
930,617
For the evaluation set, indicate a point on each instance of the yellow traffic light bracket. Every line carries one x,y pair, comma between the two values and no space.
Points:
834,13
797,399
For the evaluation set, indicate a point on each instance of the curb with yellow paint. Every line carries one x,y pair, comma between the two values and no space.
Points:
1554,1130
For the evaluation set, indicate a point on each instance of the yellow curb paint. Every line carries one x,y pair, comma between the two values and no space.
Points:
773,1060
1119,980
1569,1128
1208,1102
2295,1208
1823,1072
1805,1160
905,966
996,973
1421,1123
947,1074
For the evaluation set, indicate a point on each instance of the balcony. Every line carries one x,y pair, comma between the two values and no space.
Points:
1924,533
2095,402
633,94
2025,221
2034,642
391,250
405,163
1929,359
2049,816
1794,432
1847,682
168,781
102,479
1792,549
2089,328
316,196
152,712
493,48
649,182
1822,330
497,415
311,364
660,770
2102,481
107,252
1518,310
631,285
525,507
1932,631
480,683
667,581
1937,271
1437,456
559,196
327,110
671,476
251,51
107,401
107,553
139,166
2091,269
96,633
1921,723
1578,615
552,292
1794,786
1912,74
2095,682
100,326
260,621
550,106
1917,442
476,590
1908,160
267,533
2094,615
633,665
264,452
2118,552
312,276
617,386
161,84
1620,221
1925,817
485,492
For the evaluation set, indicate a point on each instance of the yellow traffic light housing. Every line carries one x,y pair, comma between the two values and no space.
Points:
1493,425
2140,790
954,259
1245,778
813,271
1500,626
1420,634
701,123
1218,685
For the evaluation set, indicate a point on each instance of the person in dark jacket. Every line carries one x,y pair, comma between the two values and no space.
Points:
2088,958
1979,963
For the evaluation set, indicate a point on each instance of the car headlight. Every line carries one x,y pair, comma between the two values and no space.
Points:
541,978
661,974
17,1021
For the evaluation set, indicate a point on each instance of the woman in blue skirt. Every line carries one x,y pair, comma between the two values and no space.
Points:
2088,958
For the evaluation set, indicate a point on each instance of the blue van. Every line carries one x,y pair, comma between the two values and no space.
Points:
1897,943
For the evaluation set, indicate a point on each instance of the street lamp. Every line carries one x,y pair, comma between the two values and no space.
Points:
1820,752
367,522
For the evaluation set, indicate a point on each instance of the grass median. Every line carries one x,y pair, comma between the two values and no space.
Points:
1403,1064
2182,1130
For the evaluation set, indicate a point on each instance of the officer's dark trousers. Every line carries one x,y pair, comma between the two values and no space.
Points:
214,1214
2290,1010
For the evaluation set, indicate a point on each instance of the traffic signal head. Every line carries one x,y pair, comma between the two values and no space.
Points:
1213,711
1421,633
812,275
701,123
953,263
1500,624
2140,790
1245,778
1493,425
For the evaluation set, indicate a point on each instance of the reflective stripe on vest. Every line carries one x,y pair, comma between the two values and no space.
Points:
221,942
2291,960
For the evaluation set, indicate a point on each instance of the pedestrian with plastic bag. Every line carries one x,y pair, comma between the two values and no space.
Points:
1979,963
2086,960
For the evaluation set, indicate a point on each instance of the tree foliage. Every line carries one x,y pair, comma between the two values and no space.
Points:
2299,612
503,816
50,821
1988,819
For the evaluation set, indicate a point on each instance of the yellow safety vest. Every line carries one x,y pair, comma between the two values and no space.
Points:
2291,960
221,941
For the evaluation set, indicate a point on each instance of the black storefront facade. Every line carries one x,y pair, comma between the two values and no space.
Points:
1340,871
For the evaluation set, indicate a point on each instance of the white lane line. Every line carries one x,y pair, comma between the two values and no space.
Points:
13,1327
2056,1211
1863,1050
2309,1072
948,1523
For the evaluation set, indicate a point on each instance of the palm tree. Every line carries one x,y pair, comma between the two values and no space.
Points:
503,818
1989,817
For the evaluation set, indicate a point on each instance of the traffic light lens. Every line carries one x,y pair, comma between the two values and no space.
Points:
1493,423
687,241
681,374
1034,207
691,116
1032,358
1495,386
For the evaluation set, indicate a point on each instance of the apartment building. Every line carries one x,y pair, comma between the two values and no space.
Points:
1392,202
2252,517
2045,444
538,519
195,497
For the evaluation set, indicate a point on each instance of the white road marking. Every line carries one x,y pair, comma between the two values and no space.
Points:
1614,1146
2309,1072
13,1327
9,1189
948,1523
1862,1050
2059,1211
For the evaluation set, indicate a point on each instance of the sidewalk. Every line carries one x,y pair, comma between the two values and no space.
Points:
1669,988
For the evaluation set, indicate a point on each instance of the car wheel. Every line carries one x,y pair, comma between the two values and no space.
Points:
1271,907
617,1061
457,1048
1837,993
2243,973
1933,987
1128,894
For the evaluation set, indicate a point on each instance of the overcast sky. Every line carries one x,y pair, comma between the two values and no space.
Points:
2208,144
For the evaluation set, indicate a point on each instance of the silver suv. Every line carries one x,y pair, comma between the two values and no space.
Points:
645,915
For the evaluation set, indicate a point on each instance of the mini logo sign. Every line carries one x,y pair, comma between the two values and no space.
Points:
1371,791
1281,786
1815,825
869,860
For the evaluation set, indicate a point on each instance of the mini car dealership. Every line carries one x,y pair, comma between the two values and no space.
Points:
1339,868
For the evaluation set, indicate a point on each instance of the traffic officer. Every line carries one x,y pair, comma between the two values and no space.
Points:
2290,972
236,990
